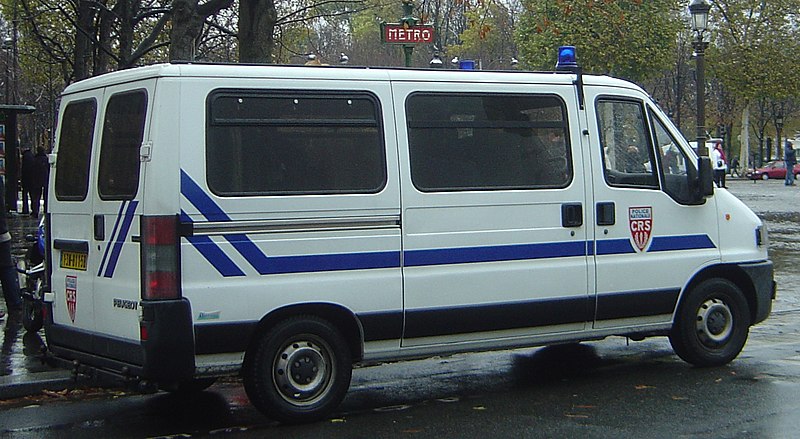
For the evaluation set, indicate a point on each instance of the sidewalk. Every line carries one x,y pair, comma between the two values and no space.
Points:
21,371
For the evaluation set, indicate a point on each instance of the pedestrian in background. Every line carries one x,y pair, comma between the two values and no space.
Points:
789,158
735,167
27,171
8,271
719,164
40,175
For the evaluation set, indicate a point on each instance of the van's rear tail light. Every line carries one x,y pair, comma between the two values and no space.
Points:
160,257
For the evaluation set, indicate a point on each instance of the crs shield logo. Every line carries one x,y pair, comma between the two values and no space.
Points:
640,221
72,296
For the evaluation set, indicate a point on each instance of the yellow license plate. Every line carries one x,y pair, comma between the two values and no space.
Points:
73,260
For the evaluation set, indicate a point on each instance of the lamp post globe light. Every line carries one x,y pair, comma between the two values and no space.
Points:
699,10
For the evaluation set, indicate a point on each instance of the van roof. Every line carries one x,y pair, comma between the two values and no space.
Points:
336,72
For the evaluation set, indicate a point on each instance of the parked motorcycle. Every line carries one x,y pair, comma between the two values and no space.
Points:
31,280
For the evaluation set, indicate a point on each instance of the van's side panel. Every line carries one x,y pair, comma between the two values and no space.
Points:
490,263
249,255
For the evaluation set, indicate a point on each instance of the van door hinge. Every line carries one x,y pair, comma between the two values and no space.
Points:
145,150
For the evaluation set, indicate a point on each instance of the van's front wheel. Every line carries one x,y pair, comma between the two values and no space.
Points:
712,324
299,370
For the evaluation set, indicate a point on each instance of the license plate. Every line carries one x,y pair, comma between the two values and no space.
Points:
73,260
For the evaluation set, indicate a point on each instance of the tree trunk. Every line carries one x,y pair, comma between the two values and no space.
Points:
188,17
83,42
256,30
104,28
744,152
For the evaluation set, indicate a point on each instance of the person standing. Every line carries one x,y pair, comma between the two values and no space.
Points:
8,271
719,165
41,171
789,158
26,177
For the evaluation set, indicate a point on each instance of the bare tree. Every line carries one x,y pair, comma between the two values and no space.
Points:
188,18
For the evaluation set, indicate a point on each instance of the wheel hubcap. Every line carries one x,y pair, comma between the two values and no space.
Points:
302,372
714,322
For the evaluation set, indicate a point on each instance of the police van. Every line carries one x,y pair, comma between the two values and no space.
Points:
285,223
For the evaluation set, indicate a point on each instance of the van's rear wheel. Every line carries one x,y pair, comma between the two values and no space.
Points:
712,324
299,370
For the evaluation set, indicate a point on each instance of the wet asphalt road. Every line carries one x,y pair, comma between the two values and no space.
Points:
598,389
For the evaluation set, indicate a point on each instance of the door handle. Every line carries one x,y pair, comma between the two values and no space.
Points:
99,228
606,213
571,215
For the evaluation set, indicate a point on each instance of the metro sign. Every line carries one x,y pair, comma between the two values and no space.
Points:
395,33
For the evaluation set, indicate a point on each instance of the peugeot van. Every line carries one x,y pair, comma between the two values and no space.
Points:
286,223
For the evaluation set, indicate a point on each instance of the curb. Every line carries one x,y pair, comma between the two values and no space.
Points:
15,386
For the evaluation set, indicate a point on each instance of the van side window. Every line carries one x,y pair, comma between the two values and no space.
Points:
674,163
627,156
294,143
480,141
123,131
75,150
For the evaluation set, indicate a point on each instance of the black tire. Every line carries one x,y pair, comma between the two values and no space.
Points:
319,363
189,387
765,176
712,324
31,315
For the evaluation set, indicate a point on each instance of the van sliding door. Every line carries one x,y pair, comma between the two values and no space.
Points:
494,234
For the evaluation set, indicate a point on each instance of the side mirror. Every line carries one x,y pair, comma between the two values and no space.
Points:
705,177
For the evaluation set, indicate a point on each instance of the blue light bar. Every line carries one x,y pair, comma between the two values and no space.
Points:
567,58
466,64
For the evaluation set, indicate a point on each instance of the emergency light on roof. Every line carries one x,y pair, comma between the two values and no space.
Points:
567,58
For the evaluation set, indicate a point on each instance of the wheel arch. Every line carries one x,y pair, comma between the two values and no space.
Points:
339,316
733,273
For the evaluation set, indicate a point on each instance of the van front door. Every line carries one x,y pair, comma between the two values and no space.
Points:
650,236
494,237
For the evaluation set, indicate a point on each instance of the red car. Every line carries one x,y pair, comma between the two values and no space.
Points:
773,169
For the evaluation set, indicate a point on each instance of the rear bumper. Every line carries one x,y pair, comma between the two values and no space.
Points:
165,353
761,275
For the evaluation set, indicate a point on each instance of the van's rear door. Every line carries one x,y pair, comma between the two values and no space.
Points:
94,221
70,225
117,206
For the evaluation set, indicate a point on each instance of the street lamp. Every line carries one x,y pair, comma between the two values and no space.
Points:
699,10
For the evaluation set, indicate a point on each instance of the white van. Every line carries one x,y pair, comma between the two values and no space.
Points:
286,223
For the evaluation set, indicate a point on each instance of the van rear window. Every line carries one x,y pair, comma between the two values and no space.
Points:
74,150
294,143
123,132
482,141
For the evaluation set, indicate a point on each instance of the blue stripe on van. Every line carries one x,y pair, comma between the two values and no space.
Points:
265,265
416,258
125,227
686,242
613,247
213,253
204,204
113,234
